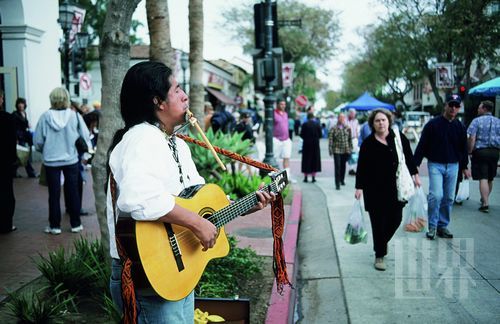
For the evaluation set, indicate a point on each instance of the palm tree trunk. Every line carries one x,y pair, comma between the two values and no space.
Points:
196,89
114,59
160,48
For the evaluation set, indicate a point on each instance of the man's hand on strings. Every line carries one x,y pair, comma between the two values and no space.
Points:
206,232
264,198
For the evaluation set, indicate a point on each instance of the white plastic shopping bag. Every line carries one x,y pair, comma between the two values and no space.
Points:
355,231
415,212
463,191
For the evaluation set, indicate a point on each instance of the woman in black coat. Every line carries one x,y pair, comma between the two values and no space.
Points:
311,156
376,180
24,136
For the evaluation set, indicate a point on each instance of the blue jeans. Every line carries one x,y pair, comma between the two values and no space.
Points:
153,308
442,182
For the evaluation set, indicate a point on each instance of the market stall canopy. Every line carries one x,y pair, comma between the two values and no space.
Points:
488,89
221,97
366,102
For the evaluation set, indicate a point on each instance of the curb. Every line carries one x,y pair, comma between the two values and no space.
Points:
281,307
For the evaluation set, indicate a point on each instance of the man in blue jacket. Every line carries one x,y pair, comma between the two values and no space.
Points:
444,144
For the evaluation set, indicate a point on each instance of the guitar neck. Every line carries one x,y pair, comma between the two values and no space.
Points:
238,208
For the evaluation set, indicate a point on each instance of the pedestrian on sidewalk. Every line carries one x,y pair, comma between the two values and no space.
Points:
484,146
311,155
444,144
24,135
376,180
353,124
55,136
282,144
151,166
9,158
340,147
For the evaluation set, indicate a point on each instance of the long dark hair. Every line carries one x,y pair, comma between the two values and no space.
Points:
143,82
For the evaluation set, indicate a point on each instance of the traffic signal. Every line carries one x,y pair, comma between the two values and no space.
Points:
78,61
462,91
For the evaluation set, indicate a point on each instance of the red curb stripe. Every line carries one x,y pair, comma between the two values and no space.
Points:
281,308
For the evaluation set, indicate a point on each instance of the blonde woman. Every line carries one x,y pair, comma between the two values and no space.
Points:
55,136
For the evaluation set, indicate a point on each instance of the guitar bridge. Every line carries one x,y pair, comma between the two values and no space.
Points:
175,247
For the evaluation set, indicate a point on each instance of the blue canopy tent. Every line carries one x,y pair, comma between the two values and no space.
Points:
487,89
366,102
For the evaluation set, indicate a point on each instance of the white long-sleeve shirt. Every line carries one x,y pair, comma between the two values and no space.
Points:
147,176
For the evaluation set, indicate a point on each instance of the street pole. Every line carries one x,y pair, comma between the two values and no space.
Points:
66,58
269,98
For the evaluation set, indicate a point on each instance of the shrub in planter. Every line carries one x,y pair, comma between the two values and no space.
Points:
224,277
45,305
80,273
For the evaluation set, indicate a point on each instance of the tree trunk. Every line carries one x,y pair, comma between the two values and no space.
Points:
196,89
160,48
114,59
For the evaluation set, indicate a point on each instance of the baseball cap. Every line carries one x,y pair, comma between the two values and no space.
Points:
453,98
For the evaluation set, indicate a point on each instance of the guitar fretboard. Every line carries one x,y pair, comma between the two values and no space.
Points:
240,207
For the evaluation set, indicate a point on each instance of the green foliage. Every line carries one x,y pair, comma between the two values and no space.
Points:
45,305
94,20
224,277
238,185
310,46
80,273
403,49
111,310
205,161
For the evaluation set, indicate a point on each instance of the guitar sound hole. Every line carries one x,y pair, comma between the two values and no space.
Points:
207,213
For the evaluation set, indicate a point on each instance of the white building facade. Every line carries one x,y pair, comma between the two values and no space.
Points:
31,65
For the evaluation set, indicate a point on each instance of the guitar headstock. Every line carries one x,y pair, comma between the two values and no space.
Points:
279,181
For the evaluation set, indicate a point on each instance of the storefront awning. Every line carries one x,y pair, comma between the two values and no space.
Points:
221,97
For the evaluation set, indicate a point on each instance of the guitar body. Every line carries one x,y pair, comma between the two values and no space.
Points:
154,255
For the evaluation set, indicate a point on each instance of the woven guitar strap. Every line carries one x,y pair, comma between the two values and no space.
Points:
277,213
128,290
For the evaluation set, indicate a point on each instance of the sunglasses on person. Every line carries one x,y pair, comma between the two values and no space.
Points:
454,104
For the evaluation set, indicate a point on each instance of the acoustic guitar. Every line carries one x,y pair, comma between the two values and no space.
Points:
169,258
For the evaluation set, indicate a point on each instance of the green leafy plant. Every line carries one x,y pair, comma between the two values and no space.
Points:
205,161
81,273
224,277
111,310
45,305
238,185
93,257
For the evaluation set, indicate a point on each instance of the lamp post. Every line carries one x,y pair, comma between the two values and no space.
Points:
82,41
269,98
66,15
184,66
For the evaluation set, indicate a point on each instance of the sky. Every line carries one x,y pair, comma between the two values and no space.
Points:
353,15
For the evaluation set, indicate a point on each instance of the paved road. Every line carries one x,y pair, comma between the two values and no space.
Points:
446,281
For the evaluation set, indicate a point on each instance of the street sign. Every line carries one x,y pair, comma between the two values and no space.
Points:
444,75
288,74
301,101
85,82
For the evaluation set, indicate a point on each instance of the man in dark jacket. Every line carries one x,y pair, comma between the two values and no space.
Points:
9,158
444,144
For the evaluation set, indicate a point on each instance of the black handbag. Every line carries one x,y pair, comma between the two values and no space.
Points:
80,143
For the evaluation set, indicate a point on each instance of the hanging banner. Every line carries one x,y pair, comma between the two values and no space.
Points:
287,72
